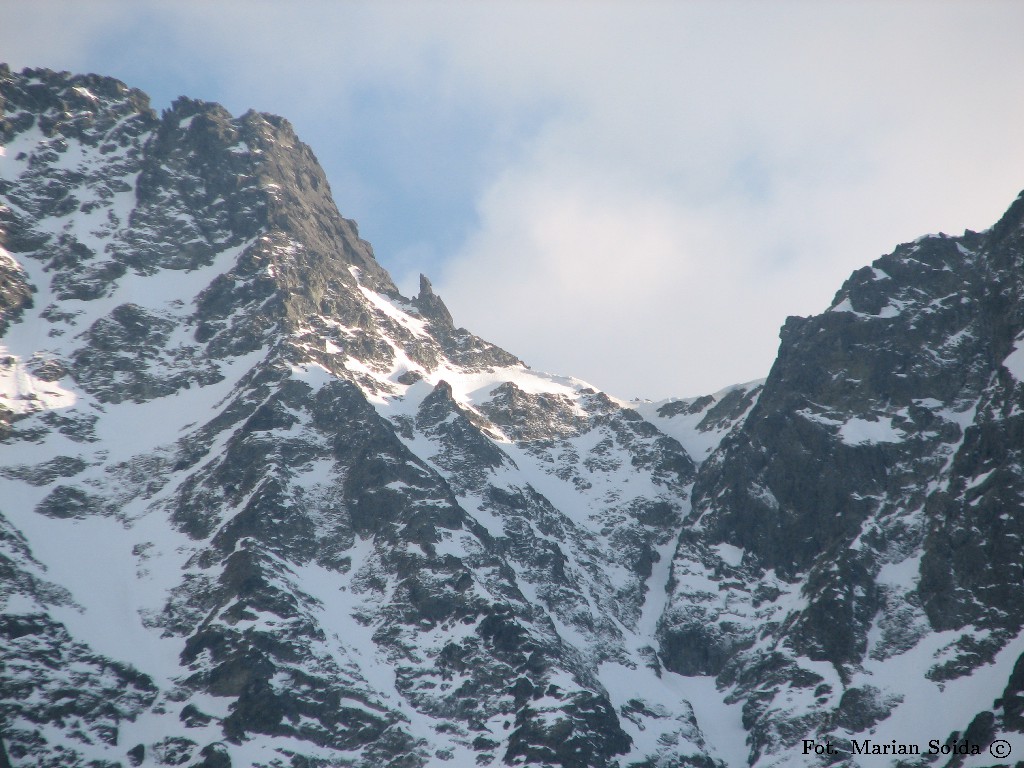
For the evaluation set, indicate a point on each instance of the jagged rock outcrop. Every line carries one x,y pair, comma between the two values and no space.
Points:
858,480
339,556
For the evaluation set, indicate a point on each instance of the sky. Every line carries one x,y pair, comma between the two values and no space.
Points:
637,194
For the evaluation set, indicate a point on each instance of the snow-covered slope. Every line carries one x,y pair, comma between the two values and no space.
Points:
259,509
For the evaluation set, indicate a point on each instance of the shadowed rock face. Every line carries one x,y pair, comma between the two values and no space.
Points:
886,442
257,508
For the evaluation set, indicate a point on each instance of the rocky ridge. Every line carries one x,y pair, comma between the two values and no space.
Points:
259,509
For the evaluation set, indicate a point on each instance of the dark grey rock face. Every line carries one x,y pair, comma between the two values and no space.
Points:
15,293
886,437
259,509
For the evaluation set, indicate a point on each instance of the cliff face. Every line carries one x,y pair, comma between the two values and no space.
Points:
258,508
879,471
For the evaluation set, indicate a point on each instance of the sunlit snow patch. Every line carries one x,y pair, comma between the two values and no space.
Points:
21,392
857,431
1014,361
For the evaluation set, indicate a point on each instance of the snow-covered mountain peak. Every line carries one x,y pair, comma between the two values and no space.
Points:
257,508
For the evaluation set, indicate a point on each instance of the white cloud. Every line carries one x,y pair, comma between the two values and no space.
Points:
715,170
